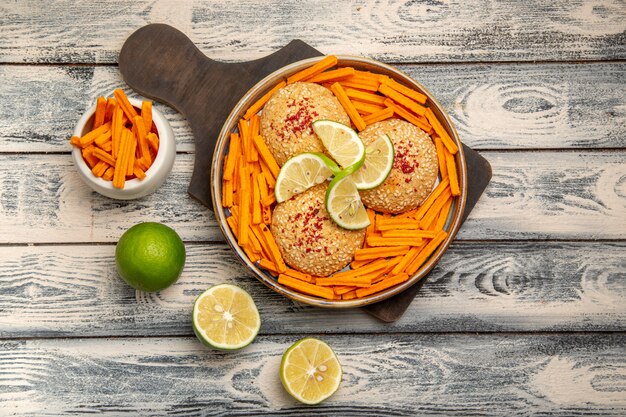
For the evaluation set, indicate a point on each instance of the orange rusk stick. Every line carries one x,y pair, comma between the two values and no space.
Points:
429,216
101,108
373,253
266,155
233,157
265,249
268,265
270,179
262,184
379,116
246,142
122,100
130,167
359,264
146,114
121,162
227,194
153,141
349,295
234,225
383,285
449,143
407,258
270,244
365,96
406,115
409,92
142,140
333,75
256,202
244,204
100,168
425,253
366,108
402,99
443,215
258,105
323,65
103,138
299,275
377,265
111,103
88,156
90,137
375,241
441,157
139,173
383,224
269,200
357,84
343,289
421,234
116,130
443,185
254,241
108,174
348,106
357,281
452,174
103,156
75,140
305,287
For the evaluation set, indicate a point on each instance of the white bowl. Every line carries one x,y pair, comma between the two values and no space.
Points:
135,188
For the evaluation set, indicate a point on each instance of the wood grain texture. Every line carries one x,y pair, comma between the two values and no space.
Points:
505,106
533,195
482,31
477,287
404,375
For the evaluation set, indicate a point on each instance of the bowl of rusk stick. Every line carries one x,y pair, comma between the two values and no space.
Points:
312,230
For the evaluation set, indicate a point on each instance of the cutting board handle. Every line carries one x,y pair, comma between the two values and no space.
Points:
162,63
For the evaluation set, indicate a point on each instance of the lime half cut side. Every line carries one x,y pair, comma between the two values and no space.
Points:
310,371
225,317
344,205
302,172
342,143
378,162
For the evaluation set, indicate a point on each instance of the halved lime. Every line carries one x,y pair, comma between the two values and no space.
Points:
302,172
225,317
341,141
343,203
310,371
377,165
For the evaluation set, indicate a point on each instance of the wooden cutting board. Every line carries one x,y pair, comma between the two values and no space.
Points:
162,63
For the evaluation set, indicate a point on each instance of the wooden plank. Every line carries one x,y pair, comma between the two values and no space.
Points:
477,287
42,199
533,195
400,32
508,106
557,375
40,106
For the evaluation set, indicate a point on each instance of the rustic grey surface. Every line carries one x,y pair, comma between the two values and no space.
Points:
525,315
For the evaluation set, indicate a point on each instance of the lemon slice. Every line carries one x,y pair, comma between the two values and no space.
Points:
377,165
225,317
341,141
302,172
343,203
310,371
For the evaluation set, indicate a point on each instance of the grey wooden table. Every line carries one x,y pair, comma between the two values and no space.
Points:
526,313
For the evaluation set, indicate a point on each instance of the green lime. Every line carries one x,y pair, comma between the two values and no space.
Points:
150,256
310,371
343,203
377,165
343,144
225,317
302,172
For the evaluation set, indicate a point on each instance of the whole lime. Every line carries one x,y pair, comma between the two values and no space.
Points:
150,256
